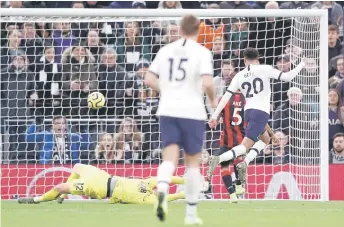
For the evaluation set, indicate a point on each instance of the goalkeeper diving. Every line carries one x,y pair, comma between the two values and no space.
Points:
97,184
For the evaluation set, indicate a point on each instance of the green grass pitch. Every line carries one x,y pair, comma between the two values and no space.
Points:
243,214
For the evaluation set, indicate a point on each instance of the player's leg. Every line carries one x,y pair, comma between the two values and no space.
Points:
193,132
256,124
226,176
171,139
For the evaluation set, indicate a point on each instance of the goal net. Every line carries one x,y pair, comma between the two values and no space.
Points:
52,60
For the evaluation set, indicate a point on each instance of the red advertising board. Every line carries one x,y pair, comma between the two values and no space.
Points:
264,181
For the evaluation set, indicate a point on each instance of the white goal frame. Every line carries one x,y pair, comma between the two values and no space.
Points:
104,14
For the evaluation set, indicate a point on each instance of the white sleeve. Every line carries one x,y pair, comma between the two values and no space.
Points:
206,64
154,67
273,73
288,76
234,86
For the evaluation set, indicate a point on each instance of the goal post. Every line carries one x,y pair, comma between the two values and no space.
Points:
304,177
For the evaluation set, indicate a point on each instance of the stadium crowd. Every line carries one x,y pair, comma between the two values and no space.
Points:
49,69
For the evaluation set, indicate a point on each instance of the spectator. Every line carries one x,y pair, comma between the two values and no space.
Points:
280,88
128,141
17,89
219,54
295,5
34,4
94,44
62,38
13,48
131,47
105,150
58,145
340,70
172,34
272,34
112,83
48,83
43,30
277,153
210,29
79,29
239,33
332,68
334,45
259,5
16,4
170,5
335,114
31,42
222,80
335,11
79,79
293,51
337,152
282,113
235,5
93,4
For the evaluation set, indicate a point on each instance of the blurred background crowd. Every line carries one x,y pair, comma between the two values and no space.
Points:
48,70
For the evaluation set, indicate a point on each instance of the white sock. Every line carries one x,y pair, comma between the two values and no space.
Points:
192,189
254,151
37,198
165,172
238,150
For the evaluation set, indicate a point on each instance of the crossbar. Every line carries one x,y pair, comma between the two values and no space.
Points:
162,13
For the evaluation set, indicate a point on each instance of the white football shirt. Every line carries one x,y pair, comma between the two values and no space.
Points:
180,66
254,83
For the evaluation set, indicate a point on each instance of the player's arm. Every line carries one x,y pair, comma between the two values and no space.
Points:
152,80
207,71
208,84
288,76
232,88
151,77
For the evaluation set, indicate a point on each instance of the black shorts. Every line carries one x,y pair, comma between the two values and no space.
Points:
224,149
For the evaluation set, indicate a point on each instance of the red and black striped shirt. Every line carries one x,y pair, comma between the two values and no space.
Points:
233,121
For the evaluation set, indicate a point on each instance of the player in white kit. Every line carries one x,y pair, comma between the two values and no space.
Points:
180,71
254,83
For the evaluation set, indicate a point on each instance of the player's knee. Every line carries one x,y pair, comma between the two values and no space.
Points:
62,188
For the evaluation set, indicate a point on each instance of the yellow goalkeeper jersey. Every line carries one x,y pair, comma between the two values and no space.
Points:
132,191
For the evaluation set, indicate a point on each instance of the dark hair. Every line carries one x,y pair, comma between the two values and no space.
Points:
251,53
59,117
339,134
339,104
190,25
333,27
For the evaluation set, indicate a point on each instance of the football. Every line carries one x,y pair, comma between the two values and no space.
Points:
96,100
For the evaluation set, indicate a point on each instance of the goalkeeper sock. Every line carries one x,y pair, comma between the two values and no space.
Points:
192,189
233,153
254,151
165,172
48,196
227,180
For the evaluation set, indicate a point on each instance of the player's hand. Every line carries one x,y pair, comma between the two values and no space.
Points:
86,89
129,91
34,96
212,123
